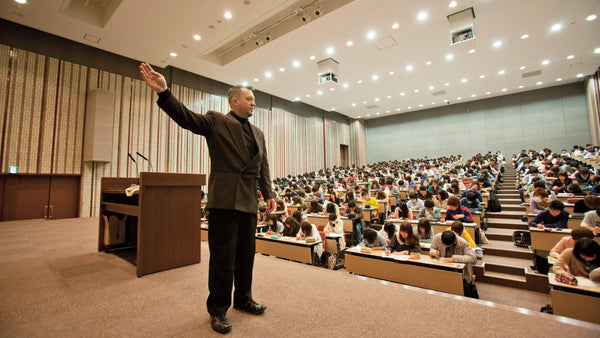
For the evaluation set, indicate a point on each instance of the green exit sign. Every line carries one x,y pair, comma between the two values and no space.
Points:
13,170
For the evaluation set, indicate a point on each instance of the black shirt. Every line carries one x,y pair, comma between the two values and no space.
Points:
248,136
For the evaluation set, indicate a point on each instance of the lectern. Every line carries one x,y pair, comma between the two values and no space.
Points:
164,217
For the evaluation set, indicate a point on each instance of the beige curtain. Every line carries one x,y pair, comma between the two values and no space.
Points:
592,93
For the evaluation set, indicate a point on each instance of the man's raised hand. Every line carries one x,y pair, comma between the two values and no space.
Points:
155,80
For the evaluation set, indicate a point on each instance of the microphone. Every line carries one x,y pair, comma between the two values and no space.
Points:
136,166
145,158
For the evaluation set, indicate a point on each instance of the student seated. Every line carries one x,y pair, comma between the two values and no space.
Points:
424,231
310,231
403,212
429,211
586,204
474,187
388,231
424,194
299,202
405,242
459,229
354,213
290,227
582,176
275,226
262,214
596,186
315,208
579,261
457,213
560,184
336,226
470,201
592,220
569,241
452,248
440,200
554,217
414,202
539,201
368,200
374,240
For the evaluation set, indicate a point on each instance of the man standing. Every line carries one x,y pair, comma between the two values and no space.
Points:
239,166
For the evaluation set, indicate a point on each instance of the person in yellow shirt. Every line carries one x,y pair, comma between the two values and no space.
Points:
459,229
371,201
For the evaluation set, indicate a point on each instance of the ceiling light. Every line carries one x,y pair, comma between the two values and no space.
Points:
377,113
296,63
459,98
463,80
422,16
580,75
473,95
389,97
359,81
556,27
504,89
197,37
409,68
358,117
244,84
409,107
497,43
591,17
446,84
391,72
368,115
521,86
522,67
558,79
597,50
345,85
387,111
364,102
296,98
416,90
488,93
432,102
545,62
307,95
228,15
374,77
501,72
371,35
471,51
397,109
570,57
524,36
376,99
402,94
268,75
25,1
481,76
173,54
539,83
281,69
395,25
431,87
329,50
256,79
449,57
349,43
312,57
319,92
353,104
420,105
428,63
331,89
332,109
452,4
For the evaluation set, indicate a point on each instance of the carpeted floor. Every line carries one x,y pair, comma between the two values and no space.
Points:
53,282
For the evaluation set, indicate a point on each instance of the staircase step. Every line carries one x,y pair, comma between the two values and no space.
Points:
506,214
521,263
502,194
510,201
506,249
507,223
499,234
513,207
504,279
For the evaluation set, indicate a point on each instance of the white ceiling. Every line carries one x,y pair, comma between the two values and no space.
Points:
149,30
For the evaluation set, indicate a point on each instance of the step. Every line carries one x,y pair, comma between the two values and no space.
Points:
503,279
510,200
506,214
514,207
499,234
506,249
502,194
520,263
507,223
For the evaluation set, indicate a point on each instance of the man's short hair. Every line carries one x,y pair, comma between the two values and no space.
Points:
448,237
429,204
557,205
453,201
236,91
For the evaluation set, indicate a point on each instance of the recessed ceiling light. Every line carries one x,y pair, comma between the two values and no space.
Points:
558,79
501,72
545,62
459,98
504,89
524,36
522,67
597,50
375,77
431,87
359,81
389,96
402,94
416,90
312,57
387,111
591,17
488,93
539,83
471,51
446,84
228,15
329,50
497,43
556,27
307,95
296,98
432,102
376,99
256,79
319,92
245,83
21,1
422,15
296,63
409,107
580,75
345,85
368,115
397,109
331,89
452,4
358,117
268,75
173,54
281,69
395,25
420,105
371,35
481,76
197,37
449,57
521,86
353,104
473,95
463,80
391,72
570,57
349,43
332,109
409,68
377,113
364,102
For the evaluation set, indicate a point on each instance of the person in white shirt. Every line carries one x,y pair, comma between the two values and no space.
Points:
336,226
592,220
310,231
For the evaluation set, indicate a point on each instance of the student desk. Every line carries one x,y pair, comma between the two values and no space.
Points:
286,247
323,220
579,302
573,222
546,239
425,272
477,215
439,227
204,230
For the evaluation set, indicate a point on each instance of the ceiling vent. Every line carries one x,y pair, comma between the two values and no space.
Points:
371,106
461,25
439,92
94,12
530,74
384,43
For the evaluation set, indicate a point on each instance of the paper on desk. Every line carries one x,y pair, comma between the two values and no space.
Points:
400,257
582,281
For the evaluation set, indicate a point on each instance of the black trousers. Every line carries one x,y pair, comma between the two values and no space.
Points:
232,247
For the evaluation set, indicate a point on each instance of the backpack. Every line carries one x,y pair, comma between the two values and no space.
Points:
522,238
494,203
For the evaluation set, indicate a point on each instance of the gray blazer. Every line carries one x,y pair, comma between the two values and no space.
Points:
460,251
234,176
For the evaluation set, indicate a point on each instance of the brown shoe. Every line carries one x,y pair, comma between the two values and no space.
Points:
220,323
251,307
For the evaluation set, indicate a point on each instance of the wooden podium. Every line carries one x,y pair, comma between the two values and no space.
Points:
164,218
